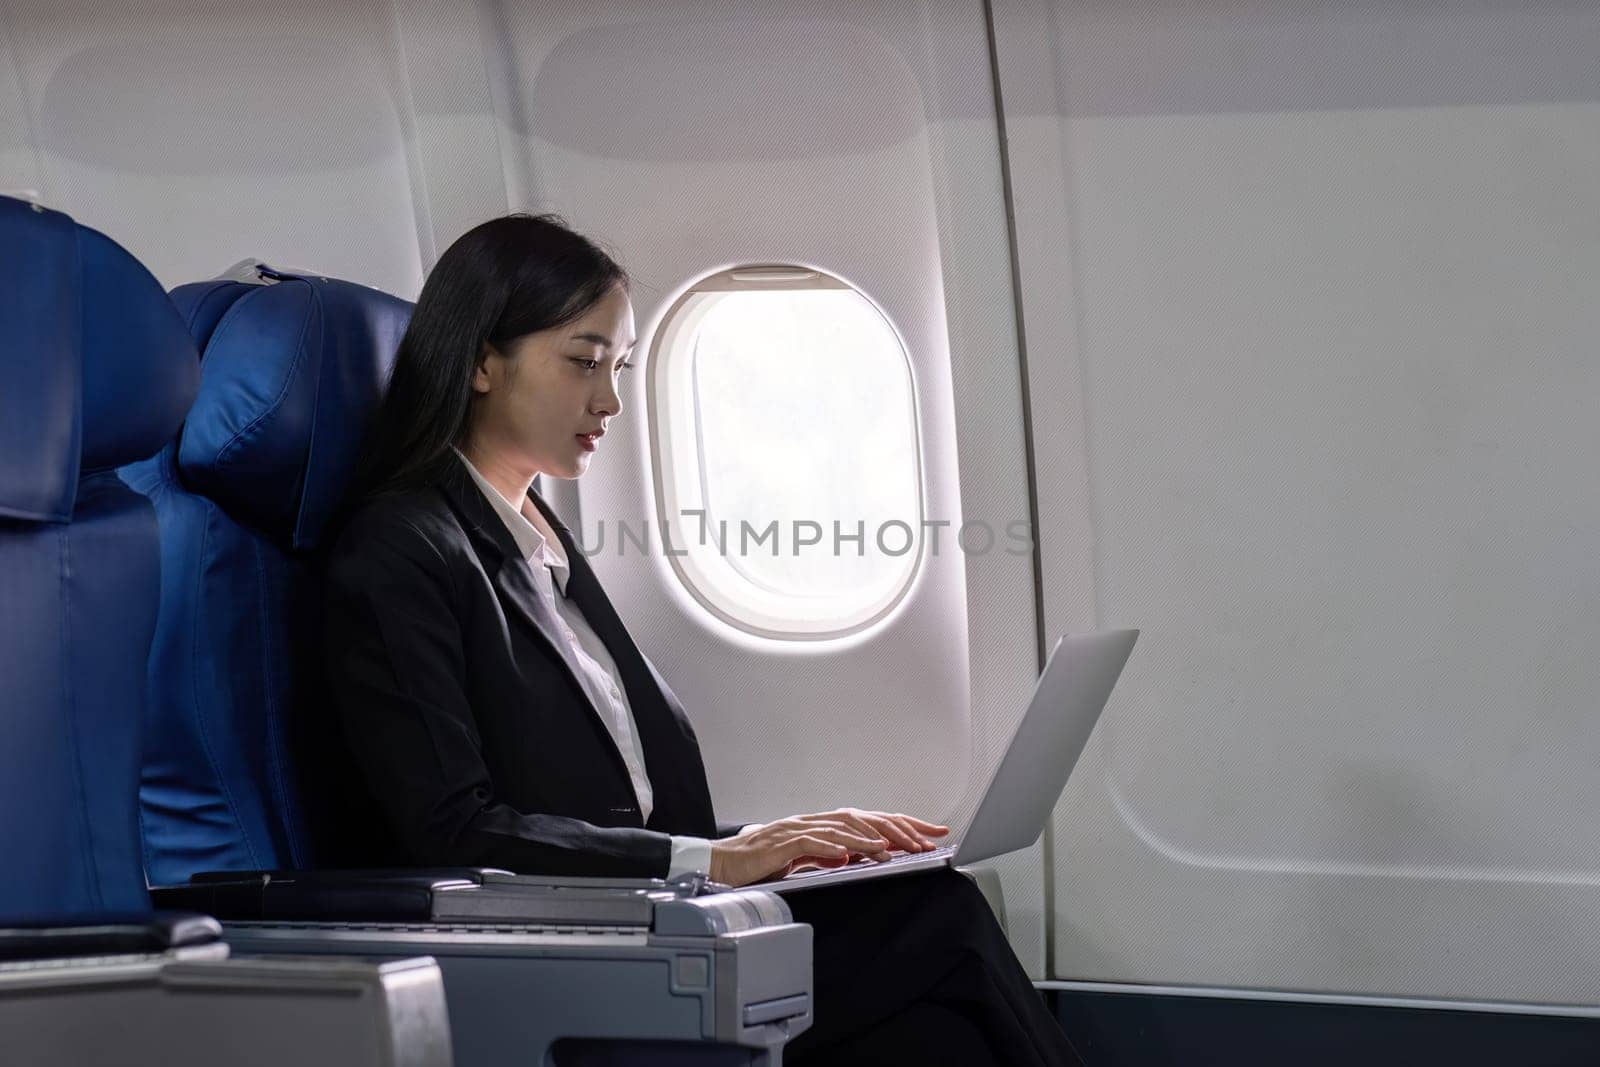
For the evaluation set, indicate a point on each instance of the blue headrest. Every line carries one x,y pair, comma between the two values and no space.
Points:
40,363
290,376
140,368
96,365
202,305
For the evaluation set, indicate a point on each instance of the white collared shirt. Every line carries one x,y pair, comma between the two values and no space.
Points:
597,674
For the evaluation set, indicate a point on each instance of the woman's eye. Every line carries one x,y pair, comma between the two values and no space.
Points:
587,364
624,366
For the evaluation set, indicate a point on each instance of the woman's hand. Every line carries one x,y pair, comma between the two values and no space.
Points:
824,839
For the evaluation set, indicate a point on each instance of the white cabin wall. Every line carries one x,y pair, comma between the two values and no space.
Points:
19,157
202,133
1308,291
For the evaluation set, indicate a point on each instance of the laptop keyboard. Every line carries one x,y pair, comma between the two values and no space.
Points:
894,858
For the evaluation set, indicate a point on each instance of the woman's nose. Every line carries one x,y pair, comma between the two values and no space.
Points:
608,403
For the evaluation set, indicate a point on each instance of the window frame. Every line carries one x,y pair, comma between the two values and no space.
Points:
669,375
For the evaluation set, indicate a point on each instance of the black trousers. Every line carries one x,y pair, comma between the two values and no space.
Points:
914,970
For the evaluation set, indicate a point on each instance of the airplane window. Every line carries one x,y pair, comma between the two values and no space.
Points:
786,452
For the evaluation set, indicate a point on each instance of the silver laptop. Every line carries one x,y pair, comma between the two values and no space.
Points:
1074,687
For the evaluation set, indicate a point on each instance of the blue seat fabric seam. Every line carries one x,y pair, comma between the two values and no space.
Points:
274,736
63,539
162,483
311,437
199,705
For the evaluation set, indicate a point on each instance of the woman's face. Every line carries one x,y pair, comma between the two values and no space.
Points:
540,406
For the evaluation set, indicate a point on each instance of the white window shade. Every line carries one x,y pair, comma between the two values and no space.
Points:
786,452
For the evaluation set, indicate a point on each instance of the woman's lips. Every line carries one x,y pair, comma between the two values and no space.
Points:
588,440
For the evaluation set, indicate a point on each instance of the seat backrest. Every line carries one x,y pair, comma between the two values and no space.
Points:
96,370
291,371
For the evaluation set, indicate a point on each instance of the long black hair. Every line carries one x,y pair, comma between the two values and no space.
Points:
499,281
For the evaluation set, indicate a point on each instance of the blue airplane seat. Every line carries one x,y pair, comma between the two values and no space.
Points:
96,370
290,374
244,745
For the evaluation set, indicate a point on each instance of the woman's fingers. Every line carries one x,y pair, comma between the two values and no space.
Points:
910,827
927,827
898,828
872,823
857,841
895,831
913,830
862,822
851,842
864,836
775,850
814,848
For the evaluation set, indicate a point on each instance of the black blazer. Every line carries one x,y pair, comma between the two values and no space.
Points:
463,714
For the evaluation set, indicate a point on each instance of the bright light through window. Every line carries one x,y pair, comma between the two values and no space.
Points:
784,410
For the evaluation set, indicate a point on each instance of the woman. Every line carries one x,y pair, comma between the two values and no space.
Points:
502,716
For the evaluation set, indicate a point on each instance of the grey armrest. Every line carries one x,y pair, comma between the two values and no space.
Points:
171,1010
